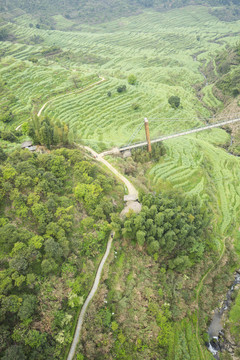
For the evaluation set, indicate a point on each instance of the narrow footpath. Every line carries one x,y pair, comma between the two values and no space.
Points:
135,206
89,298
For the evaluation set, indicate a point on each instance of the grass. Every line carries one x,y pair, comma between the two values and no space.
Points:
198,167
33,84
159,48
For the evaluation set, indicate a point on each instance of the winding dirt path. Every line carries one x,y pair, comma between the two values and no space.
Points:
99,157
131,191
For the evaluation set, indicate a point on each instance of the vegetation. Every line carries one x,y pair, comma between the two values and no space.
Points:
45,132
234,318
172,227
121,88
132,79
172,71
174,101
57,207
228,68
95,11
139,308
54,224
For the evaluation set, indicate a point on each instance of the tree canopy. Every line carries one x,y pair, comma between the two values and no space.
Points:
174,101
172,226
55,220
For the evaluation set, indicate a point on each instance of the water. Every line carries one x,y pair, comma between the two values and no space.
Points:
215,330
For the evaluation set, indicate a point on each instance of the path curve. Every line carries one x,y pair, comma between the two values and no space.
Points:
131,191
99,157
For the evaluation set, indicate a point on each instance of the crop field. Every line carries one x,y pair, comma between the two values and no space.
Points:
33,84
168,53
164,50
198,167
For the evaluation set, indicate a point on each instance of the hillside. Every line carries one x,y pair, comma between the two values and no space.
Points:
88,73
52,237
98,11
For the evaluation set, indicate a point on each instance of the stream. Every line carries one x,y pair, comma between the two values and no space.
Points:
215,330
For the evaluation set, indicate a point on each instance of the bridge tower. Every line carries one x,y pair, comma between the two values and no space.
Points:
147,134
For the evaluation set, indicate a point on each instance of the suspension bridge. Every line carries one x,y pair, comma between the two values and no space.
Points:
148,142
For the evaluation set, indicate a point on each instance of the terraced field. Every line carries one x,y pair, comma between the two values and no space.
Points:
34,84
198,167
159,48
167,52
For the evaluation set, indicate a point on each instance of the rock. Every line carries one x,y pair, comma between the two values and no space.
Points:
127,154
215,344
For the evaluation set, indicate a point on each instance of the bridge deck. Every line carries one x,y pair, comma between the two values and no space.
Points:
162,138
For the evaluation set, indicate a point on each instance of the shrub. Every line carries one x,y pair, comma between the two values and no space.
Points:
121,88
135,106
132,79
33,60
235,92
174,101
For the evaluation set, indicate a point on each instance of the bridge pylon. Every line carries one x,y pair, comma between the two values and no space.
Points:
147,134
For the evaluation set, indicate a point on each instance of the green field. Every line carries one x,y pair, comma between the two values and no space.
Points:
159,48
198,167
167,52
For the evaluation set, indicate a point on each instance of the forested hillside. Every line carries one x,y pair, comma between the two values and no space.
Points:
100,10
54,223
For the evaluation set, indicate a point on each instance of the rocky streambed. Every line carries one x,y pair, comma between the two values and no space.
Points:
218,341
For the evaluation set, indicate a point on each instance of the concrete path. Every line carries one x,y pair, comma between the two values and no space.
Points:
89,298
99,157
135,207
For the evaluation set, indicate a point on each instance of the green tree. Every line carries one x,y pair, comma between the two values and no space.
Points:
132,80
3,34
27,308
174,101
53,249
121,88
3,155
48,266
14,352
140,236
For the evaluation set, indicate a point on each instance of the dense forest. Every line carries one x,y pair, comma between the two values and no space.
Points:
55,220
174,228
98,11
